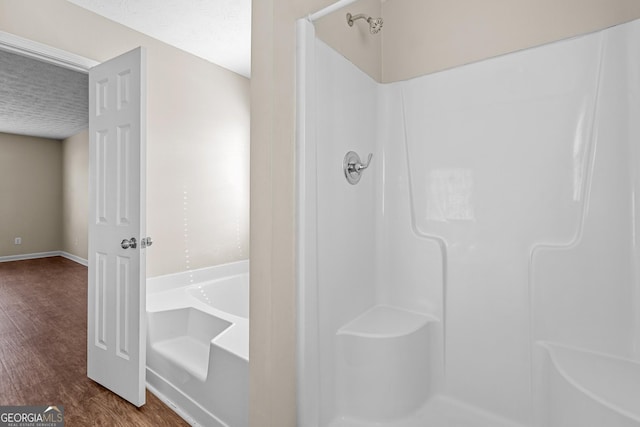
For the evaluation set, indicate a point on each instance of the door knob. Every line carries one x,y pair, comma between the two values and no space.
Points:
129,243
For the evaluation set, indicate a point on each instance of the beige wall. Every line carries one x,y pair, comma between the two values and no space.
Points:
197,130
31,191
273,293
423,36
356,43
75,191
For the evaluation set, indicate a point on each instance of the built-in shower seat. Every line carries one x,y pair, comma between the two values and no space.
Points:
384,362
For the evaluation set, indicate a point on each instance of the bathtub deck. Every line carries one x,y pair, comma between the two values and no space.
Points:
198,348
440,411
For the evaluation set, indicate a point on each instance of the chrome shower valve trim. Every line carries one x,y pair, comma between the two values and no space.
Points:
353,167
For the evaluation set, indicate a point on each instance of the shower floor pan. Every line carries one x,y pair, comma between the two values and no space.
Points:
384,375
440,411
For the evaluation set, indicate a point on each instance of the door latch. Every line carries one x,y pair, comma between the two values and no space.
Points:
145,242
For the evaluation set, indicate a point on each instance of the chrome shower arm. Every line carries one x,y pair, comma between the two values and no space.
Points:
351,18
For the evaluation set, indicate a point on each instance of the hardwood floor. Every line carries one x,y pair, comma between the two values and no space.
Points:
43,348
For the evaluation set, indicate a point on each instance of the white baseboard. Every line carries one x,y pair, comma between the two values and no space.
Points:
36,255
159,283
75,258
23,257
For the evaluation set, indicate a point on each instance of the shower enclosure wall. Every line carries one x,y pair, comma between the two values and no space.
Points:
484,270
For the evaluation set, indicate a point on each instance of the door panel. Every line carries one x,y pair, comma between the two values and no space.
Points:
116,355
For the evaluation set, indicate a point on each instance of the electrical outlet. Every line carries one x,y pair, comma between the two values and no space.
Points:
18,241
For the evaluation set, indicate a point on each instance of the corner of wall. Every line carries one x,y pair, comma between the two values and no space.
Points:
355,43
31,186
75,182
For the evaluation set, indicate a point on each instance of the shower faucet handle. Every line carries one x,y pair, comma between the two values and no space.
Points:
353,166
362,166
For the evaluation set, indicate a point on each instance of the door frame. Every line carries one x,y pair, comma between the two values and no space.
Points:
42,52
51,55
45,53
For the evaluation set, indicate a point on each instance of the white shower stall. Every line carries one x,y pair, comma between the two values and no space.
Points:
484,271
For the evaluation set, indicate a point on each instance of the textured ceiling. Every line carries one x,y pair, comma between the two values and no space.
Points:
41,99
216,30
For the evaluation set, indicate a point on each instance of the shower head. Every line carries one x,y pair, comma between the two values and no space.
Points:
375,25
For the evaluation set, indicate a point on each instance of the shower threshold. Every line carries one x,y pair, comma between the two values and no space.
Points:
440,411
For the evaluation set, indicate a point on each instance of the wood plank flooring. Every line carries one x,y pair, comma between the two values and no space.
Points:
43,348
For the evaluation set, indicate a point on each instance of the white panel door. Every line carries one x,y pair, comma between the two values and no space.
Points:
116,354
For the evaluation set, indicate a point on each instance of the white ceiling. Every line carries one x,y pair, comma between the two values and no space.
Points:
216,30
41,99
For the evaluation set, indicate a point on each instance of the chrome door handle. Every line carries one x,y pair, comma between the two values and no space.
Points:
130,243
145,242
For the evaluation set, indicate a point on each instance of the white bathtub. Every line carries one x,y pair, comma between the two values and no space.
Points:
198,344
590,389
230,295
